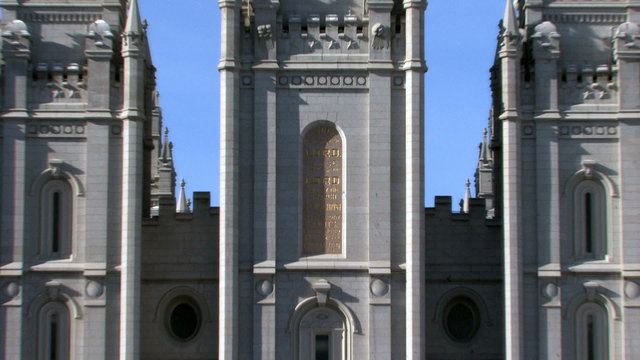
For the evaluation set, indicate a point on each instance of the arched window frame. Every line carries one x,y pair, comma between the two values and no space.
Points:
54,332
54,177
590,214
593,301
308,307
592,332
303,135
603,190
56,220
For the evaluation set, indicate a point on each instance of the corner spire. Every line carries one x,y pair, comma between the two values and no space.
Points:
134,23
509,22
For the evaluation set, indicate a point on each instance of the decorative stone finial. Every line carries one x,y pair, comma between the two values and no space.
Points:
182,206
467,197
164,152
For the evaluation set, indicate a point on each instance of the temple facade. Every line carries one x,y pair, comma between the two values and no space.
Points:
321,248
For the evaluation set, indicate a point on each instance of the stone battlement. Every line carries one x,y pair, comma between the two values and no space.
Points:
167,210
443,210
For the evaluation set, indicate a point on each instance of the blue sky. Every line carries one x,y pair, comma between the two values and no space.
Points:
460,45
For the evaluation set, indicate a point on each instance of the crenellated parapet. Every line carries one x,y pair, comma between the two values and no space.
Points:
443,211
461,248
171,234
350,31
167,209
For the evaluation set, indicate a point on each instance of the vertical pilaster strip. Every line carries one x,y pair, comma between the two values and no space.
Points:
97,165
229,182
379,173
132,173
265,209
265,168
379,169
547,196
512,247
95,237
414,126
380,207
546,52
627,54
130,235
12,231
513,277
16,53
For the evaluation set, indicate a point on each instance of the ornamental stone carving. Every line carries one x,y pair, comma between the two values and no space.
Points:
264,31
100,32
379,33
631,289
379,288
550,291
546,39
11,289
17,35
628,34
264,287
94,289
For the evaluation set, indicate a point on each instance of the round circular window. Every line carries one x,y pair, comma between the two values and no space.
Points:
183,320
461,319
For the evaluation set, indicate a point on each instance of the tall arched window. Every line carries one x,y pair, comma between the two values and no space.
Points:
56,220
53,332
590,221
322,191
592,332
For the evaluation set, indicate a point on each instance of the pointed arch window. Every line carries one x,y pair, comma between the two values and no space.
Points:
53,332
590,221
56,220
592,332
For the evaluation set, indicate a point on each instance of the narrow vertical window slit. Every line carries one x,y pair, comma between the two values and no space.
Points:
590,339
55,228
53,337
588,223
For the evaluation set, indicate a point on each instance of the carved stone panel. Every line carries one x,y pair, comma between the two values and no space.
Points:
322,191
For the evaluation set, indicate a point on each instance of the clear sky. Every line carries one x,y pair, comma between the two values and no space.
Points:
460,45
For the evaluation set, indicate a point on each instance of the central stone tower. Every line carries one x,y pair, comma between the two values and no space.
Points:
322,216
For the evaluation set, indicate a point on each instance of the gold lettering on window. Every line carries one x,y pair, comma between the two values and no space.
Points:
322,191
